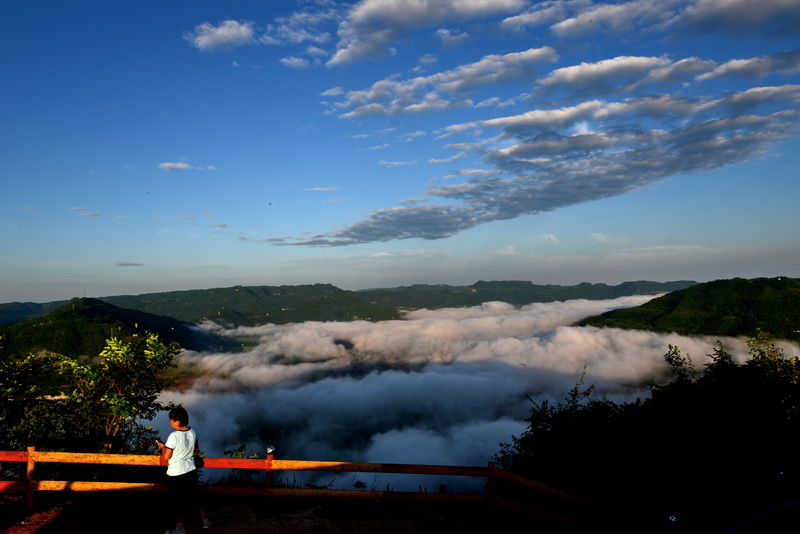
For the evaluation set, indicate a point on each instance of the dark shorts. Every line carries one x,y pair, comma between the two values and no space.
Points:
183,492
186,481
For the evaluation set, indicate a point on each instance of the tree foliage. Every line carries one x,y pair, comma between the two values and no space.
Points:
82,403
707,441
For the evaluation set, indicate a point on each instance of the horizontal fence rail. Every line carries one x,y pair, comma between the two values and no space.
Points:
269,465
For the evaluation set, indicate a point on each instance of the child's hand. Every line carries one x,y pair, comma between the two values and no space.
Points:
160,444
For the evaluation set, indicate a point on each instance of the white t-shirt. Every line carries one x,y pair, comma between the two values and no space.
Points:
182,444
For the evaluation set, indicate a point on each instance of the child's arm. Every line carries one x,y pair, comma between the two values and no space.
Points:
166,452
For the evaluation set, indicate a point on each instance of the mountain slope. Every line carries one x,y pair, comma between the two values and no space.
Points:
82,326
736,307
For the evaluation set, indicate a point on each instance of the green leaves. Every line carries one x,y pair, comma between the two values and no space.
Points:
100,399
705,436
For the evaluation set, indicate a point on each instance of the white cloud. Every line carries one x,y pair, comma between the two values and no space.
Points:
539,14
408,137
412,201
320,189
396,163
451,159
757,67
302,26
372,26
334,91
617,18
496,102
432,92
179,166
543,117
293,62
451,37
315,51
228,35
608,70
427,59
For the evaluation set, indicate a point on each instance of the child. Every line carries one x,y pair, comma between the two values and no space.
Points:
179,451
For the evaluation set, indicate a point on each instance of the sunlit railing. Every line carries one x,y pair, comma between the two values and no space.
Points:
547,498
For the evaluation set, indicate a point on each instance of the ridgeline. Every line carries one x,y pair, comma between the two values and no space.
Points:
250,305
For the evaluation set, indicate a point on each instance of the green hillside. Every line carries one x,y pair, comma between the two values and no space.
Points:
82,326
736,307
339,306
259,304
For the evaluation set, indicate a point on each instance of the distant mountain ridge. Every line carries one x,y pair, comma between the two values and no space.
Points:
516,292
735,307
248,305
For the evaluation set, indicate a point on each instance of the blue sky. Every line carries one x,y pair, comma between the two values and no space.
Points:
156,146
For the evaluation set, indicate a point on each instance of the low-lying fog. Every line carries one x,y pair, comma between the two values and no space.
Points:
439,387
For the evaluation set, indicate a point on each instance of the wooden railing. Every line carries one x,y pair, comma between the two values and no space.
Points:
553,499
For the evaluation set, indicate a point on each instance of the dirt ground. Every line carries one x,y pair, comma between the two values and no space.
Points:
146,514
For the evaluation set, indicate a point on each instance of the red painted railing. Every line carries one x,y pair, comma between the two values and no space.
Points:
269,465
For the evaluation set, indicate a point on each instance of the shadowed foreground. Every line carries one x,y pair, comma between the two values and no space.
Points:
147,514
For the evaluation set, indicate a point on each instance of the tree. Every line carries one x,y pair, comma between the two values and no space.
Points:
708,443
26,388
89,403
562,439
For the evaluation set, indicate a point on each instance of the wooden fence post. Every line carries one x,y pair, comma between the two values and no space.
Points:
29,477
268,467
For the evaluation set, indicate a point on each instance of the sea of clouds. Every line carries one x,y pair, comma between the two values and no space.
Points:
440,386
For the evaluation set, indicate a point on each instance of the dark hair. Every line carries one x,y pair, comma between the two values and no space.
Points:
179,414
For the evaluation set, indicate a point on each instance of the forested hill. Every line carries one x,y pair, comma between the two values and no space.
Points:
249,305
82,327
736,307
